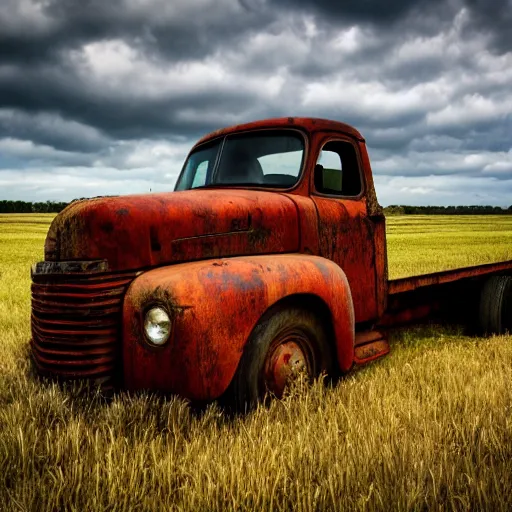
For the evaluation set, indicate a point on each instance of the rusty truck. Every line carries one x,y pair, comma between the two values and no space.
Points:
267,260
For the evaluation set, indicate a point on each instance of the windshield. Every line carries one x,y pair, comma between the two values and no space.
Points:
263,158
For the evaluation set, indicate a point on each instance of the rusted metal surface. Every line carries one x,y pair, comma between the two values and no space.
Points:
381,263
76,320
135,232
370,345
81,268
308,224
348,232
365,337
368,353
346,237
408,314
214,306
372,205
286,359
308,124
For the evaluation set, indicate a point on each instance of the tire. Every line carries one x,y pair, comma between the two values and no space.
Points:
284,342
496,305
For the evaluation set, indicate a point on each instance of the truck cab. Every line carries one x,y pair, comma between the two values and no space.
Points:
268,260
323,168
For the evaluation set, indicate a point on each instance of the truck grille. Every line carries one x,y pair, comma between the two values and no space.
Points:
76,323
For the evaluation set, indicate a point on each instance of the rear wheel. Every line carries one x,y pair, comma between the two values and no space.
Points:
285,344
496,305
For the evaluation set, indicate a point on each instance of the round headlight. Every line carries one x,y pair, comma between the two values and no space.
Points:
157,326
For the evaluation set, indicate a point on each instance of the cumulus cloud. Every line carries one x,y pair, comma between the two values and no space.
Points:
104,97
442,190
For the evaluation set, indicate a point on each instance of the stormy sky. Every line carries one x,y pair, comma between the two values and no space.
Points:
106,97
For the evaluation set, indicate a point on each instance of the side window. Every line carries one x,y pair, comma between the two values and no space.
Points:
200,176
337,170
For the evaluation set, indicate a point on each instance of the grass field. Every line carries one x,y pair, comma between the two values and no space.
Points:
419,244
429,427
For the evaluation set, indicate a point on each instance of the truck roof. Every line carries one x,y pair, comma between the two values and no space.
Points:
308,124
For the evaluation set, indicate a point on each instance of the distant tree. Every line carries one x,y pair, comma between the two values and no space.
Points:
447,210
29,207
394,210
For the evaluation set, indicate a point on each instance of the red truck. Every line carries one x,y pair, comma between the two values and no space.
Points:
268,259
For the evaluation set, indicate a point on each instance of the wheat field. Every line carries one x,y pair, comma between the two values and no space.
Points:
427,428
419,244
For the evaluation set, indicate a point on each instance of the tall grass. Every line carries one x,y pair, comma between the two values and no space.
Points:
429,427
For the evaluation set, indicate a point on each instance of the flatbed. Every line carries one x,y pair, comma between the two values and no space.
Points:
407,284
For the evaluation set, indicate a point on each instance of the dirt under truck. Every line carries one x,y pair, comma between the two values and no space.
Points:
268,259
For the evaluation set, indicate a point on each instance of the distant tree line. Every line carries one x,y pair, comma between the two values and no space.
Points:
446,210
29,207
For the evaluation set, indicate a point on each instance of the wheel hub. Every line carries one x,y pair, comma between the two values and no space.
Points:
286,359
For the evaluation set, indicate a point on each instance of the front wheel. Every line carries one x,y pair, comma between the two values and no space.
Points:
284,344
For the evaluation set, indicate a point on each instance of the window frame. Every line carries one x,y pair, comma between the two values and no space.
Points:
316,192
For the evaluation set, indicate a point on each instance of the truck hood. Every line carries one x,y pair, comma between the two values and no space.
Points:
135,232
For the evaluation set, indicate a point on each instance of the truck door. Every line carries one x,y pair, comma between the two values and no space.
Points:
345,231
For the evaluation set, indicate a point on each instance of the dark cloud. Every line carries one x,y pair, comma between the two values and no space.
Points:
51,130
63,91
181,30
356,11
493,17
101,89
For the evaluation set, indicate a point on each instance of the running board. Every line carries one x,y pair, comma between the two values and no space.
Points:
369,345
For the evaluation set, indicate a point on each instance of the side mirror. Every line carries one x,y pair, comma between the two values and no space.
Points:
319,177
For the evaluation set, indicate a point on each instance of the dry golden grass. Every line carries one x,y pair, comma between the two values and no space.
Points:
429,427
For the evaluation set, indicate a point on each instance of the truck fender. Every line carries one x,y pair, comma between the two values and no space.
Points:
214,305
